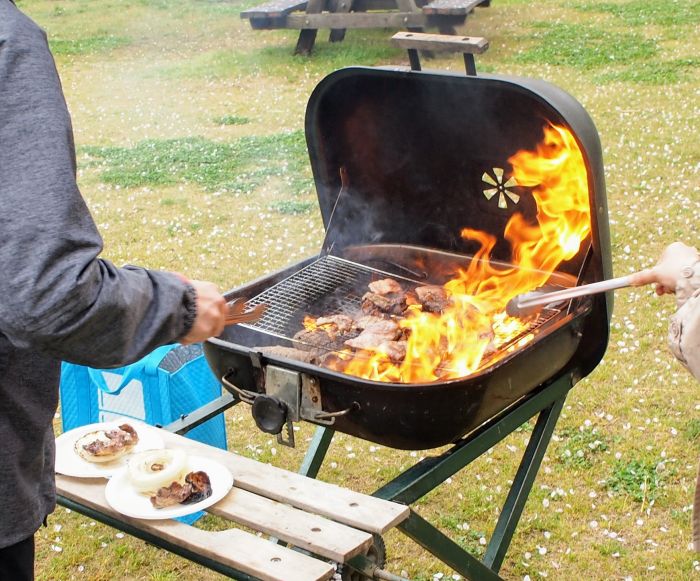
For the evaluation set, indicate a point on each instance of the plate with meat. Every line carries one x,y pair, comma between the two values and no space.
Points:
99,450
167,483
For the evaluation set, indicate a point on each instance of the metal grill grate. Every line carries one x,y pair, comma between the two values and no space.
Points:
329,285
332,285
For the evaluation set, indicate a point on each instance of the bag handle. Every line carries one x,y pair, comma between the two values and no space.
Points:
148,365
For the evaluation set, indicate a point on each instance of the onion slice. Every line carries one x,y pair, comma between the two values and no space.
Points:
154,469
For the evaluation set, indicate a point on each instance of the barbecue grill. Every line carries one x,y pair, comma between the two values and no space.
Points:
403,161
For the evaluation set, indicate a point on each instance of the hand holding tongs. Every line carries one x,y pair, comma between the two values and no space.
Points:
237,312
528,303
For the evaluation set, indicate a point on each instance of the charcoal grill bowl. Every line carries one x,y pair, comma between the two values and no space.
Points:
414,416
403,416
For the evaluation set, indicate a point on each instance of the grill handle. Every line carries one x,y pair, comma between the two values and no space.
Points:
415,41
243,394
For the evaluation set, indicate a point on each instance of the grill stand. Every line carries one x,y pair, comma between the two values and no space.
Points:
429,473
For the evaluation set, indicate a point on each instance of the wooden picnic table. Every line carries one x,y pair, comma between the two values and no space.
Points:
330,524
338,15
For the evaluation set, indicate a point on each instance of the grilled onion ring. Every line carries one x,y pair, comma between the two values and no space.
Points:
153,469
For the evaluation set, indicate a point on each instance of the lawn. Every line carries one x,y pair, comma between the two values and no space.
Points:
191,154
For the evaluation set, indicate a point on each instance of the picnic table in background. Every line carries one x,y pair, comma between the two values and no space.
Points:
308,16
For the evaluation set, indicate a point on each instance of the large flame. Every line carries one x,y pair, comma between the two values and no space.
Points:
453,343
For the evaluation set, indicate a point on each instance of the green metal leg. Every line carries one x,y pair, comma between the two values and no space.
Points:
424,476
445,549
187,422
317,452
522,484
429,473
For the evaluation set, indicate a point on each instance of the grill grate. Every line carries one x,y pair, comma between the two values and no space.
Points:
332,285
327,285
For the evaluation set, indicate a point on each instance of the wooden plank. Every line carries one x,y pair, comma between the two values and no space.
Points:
234,548
451,7
440,42
356,20
274,9
357,510
307,531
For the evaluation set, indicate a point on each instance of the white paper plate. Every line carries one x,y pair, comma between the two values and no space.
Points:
70,464
123,498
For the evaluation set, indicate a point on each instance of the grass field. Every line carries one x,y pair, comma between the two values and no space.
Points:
189,128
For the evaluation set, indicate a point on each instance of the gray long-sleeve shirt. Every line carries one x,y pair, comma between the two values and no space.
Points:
58,300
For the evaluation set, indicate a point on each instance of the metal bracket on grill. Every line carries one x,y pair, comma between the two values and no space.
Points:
289,397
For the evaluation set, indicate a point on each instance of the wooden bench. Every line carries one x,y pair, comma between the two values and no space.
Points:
327,522
451,7
308,16
272,14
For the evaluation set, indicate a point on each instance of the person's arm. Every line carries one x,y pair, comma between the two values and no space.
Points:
56,295
678,272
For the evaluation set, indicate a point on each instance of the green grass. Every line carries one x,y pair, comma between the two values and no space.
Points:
189,126
86,46
654,73
692,429
232,120
640,479
644,13
584,46
241,166
578,448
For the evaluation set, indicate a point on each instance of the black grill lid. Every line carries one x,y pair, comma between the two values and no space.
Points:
414,147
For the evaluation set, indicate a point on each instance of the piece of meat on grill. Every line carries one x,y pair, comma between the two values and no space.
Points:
318,341
434,298
395,350
389,304
335,324
365,321
375,334
385,286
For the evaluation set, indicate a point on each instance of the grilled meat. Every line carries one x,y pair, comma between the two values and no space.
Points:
385,286
104,446
171,495
335,324
201,487
433,298
389,304
375,334
196,488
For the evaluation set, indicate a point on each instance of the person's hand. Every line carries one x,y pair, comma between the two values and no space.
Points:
669,268
211,313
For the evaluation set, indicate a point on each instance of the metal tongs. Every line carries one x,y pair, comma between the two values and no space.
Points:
237,312
528,303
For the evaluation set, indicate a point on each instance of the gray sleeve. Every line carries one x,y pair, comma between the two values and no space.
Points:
58,297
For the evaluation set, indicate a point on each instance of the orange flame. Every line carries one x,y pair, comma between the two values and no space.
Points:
454,343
